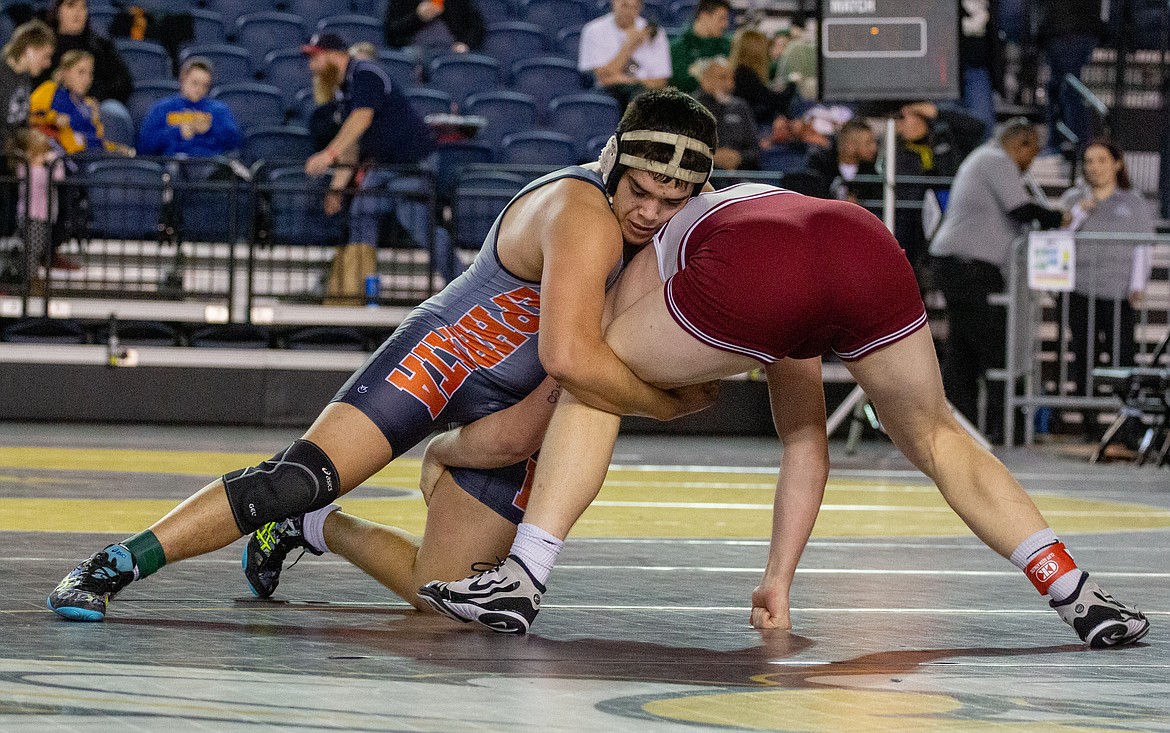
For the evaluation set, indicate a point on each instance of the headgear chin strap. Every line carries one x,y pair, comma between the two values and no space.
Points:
613,156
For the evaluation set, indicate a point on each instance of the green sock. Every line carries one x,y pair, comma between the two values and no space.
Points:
147,552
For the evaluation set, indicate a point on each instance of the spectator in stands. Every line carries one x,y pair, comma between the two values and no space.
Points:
932,141
62,108
739,141
111,75
988,207
454,24
37,206
853,152
1109,274
626,54
27,53
379,129
190,123
797,64
705,39
788,147
979,58
325,120
1067,32
753,76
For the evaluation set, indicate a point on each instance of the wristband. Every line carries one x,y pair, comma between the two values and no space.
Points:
1049,563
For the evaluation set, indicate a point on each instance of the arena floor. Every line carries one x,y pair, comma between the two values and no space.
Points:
903,621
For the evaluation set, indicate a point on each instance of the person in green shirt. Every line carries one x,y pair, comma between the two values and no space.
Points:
706,38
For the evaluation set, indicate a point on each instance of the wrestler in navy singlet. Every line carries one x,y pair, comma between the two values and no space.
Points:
466,352
770,273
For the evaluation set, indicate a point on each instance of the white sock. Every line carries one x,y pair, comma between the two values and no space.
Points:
537,549
313,525
1062,587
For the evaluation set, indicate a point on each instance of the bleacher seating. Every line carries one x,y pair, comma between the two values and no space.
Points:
512,40
402,67
584,116
146,59
262,33
285,142
311,11
295,215
252,104
552,15
544,78
506,112
569,42
232,63
426,101
208,27
463,74
232,10
286,70
479,199
118,123
125,198
146,94
539,147
354,28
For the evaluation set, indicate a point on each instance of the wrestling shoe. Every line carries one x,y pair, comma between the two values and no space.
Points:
266,550
85,593
1098,619
503,597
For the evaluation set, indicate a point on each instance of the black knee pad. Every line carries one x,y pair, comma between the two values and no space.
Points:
299,479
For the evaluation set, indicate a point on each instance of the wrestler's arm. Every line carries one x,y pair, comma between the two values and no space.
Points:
493,441
581,241
798,410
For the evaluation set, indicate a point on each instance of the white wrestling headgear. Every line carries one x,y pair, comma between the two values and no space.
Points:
613,158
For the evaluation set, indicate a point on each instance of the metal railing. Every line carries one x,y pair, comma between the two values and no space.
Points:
1043,369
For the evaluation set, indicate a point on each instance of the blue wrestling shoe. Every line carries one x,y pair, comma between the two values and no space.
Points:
85,593
504,597
266,550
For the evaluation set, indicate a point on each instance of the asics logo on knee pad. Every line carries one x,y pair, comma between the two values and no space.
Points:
294,481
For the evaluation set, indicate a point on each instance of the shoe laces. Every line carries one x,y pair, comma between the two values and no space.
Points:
99,575
483,568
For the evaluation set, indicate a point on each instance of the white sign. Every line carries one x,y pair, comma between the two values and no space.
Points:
1052,261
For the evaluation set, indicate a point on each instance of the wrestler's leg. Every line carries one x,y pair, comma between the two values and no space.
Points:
460,532
904,383
204,522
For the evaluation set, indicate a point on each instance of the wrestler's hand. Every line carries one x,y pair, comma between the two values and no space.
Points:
432,470
692,398
770,606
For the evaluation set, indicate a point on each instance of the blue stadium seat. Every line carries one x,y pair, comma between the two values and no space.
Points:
212,204
311,11
402,66
479,199
44,331
262,33
208,27
253,105
232,10
286,143
539,147
552,15
506,112
512,40
497,9
453,158
302,106
372,8
100,19
125,198
296,215
463,74
148,61
426,101
545,78
584,116
146,94
682,12
230,336
119,125
569,42
287,70
594,146
232,63
354,28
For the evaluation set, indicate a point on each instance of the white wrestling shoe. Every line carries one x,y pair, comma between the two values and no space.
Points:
1099,619
504,597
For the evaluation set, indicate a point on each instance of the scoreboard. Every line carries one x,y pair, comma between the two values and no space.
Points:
889,50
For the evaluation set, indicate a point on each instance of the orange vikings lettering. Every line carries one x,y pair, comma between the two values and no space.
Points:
477,340
520,501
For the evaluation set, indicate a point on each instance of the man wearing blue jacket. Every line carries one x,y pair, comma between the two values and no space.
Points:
189,123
